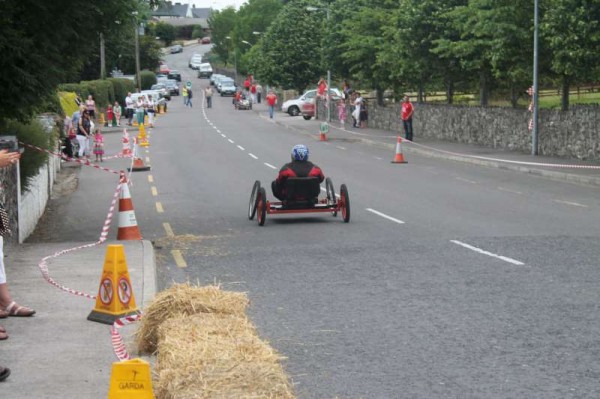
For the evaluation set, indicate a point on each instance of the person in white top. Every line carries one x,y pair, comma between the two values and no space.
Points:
139,110
129,108
356,112
150,108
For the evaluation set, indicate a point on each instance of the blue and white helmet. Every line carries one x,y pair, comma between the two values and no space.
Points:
300,153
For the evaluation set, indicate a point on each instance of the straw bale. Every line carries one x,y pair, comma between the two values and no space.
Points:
185,300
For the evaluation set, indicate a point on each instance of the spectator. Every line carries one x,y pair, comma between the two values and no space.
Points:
258,92
356,113
83,133
129,107
117,112
109,115
341,108
150,109
253,92
346,90
363,115
140,110
321,88
98,145
90,105
190,95
272,101
8,307
208,92
407,114
247,83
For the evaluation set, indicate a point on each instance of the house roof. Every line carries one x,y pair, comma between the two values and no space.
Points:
201,12
179,10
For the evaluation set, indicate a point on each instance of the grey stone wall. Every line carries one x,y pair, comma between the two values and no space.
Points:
9,197
570,134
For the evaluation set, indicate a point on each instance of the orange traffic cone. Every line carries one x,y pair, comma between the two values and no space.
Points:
126,148
128,228
322,137
399,158
138,163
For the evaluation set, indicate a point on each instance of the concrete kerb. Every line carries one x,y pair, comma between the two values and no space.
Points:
551,174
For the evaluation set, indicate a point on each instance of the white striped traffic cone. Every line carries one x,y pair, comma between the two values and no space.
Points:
399,158
128,228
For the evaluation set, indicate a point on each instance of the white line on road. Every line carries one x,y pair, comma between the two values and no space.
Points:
241,148
481,251
465,180
231,141
379,158
341,148
383,215
270,166
222,135
571,203
508,190
252,155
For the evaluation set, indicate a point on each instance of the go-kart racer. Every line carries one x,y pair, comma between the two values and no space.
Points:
299,167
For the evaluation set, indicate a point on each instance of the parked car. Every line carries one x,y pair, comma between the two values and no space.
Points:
175,75
162,88
228,88
161,76
214,77
178,48
205,70
164,69
173,87
294,107
195,61
224,80
204,40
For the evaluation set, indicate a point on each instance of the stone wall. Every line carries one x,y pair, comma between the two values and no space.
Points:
9,197
570,134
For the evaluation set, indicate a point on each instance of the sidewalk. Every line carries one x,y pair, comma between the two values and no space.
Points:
563,169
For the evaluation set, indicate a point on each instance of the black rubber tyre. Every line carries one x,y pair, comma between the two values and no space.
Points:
331,200
345,203
294,110
261,206
253,200
306,117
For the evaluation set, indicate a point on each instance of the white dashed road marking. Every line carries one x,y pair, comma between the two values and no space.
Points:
270,166
241,148
231,141
253,156
481,251
508,190
383,215
570,203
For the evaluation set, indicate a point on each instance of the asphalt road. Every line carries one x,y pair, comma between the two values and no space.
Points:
450,281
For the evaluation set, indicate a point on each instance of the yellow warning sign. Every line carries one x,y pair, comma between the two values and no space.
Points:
130,380
111,305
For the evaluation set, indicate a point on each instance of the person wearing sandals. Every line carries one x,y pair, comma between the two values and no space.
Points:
8,307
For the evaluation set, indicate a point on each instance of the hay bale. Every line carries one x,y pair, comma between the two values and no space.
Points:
217,356
185,300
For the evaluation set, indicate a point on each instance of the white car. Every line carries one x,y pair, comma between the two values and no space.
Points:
195,61
294,107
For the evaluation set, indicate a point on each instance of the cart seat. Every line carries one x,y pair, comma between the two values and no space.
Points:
301,192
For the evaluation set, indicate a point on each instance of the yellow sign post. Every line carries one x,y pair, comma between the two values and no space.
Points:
115,295
130,379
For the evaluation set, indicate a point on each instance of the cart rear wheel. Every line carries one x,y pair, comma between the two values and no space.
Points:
261,205
330,194
253,200
345,203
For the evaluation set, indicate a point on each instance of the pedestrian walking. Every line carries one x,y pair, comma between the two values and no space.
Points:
189,98
184,93
407,114
208,92
272,101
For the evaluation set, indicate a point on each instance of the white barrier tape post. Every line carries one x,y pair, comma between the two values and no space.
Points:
117,340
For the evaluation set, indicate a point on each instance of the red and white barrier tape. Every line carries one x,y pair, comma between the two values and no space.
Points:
117,340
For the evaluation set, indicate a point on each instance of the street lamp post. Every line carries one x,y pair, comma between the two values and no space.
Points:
534,130
328,95
138,77
234,57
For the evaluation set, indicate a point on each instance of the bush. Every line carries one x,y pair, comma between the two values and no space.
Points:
148,78
184,31
121,87
31,133
198,32
101,90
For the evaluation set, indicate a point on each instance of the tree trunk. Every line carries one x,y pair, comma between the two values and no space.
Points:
564,100
450,92
514,95
483,89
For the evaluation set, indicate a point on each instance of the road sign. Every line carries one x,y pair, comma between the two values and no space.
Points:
324,127
188,84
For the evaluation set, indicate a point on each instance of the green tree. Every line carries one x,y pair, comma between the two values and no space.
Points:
571,30
165,31
221,24
287,56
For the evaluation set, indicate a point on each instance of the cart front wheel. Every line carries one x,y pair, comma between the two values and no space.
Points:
253,200
345,203
261,205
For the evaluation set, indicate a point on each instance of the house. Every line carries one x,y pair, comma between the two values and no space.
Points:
178,14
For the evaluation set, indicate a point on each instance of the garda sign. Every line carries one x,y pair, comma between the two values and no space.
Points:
324,127
131,380
188,84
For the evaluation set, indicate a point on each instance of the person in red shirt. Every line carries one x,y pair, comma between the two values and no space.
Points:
236,98
247,84
272,101
299,167
321,88
407,114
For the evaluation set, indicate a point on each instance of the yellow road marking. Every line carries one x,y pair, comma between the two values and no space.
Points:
159,208
168,229
150,179
179,261
154,191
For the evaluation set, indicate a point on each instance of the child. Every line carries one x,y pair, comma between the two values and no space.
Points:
341,108
109,115
117,111
98,145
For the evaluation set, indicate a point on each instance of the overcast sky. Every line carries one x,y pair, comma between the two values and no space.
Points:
215,4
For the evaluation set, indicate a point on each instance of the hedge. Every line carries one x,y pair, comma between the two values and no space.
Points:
148,78
121,87
101,90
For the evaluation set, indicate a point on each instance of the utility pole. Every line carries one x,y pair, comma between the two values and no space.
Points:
534,131
102,58
138,77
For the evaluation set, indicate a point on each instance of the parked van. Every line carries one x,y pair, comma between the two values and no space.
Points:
205,70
